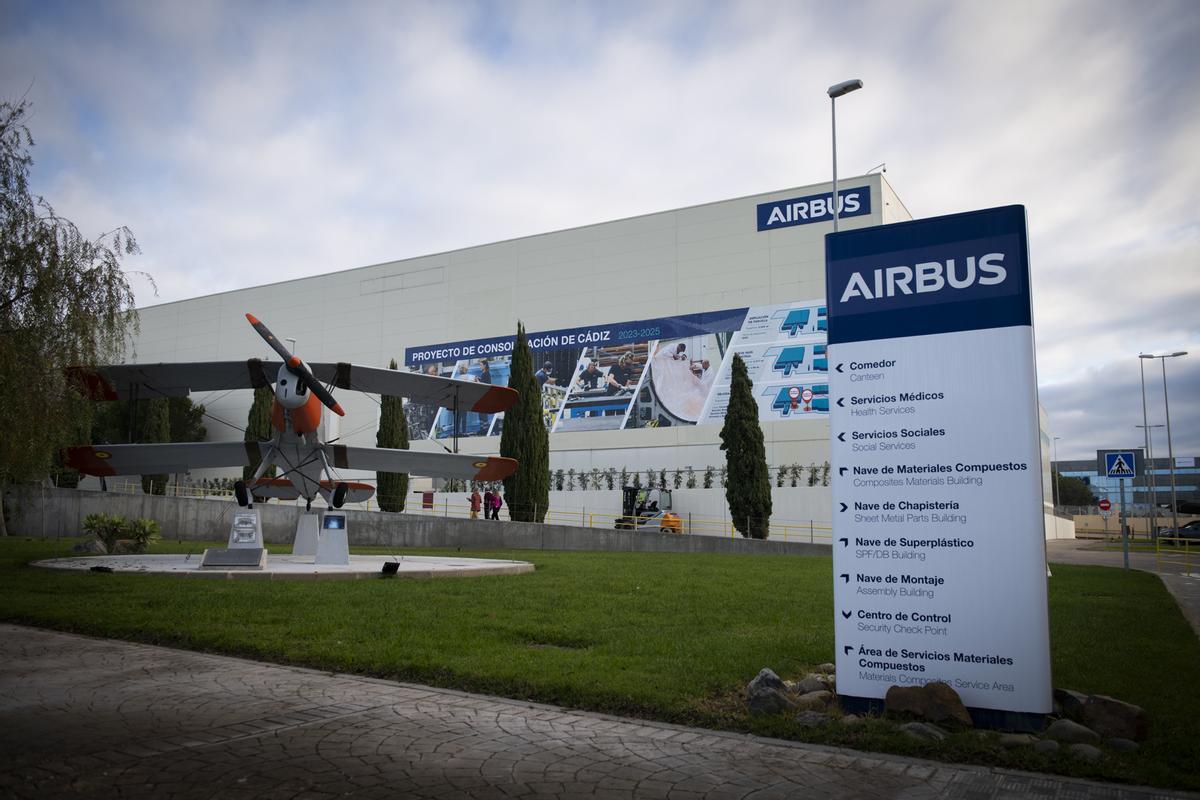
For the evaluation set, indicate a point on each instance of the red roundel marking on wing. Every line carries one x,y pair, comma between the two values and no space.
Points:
89,461
497,399
495,468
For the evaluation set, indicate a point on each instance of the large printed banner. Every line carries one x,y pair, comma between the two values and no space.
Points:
645,373
939,551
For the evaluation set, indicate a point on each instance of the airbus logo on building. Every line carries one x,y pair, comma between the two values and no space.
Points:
813,208
927,276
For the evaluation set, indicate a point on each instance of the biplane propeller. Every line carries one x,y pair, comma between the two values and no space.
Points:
296,414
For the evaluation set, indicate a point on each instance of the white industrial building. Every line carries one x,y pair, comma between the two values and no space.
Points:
686,261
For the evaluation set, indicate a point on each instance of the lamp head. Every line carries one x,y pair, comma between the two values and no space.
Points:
845,87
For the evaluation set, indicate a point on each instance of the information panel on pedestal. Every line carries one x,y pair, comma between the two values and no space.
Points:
938,527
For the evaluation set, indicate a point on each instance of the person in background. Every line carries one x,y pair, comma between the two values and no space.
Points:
487,504
590,378
620,375
476,503
545,375
485,372
497,502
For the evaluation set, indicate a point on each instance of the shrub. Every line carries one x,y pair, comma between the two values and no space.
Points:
142,531
108,528
105,527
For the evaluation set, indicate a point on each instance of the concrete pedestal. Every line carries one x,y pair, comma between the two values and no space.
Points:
333,548
333,545
305,543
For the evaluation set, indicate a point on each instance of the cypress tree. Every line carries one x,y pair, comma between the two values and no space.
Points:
154,425
258,427
748,485
391,487
527,491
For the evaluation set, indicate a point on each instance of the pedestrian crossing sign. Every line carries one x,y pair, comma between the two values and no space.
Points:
1119,464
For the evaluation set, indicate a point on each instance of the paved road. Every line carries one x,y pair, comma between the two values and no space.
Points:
84,717
1180,576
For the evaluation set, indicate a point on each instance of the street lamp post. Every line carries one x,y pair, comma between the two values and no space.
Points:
834,92
1057,472
1170,450
1150,470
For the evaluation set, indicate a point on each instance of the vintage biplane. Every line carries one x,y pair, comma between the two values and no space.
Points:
308,467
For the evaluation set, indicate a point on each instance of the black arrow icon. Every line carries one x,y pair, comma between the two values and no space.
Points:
841,437
842,470
839,368
848,648
845,542
845,576
846,614
844,507
841,402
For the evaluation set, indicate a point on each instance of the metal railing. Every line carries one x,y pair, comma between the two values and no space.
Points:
1177,553
812,531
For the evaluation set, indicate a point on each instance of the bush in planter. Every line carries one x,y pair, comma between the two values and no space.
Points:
111,529
105,527
142,532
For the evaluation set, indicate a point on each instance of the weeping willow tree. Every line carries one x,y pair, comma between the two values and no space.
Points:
64,301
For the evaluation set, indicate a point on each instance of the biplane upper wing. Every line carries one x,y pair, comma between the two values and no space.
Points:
482,398
439,465
152,459
147,381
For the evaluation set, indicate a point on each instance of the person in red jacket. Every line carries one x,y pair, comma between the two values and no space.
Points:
476,503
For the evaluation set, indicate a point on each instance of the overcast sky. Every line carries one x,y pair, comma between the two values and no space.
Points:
245,143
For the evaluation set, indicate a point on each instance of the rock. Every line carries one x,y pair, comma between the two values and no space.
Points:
767,700
815,701
766,679
90,547
851,720
1085,752
1115,719
128,547
1045,746
1068,732
923,732
1070,703
1010,740
1123,745
827,668
812,719
812,683
935,702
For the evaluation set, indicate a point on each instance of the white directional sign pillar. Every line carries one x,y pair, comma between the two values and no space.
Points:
939,544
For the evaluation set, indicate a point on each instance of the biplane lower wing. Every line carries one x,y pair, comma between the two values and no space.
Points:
151,459
438,465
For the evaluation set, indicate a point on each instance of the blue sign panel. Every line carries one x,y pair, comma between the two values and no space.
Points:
855,202
1119,464
955,273
583,336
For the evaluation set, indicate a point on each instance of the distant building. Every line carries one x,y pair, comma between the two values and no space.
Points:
1138,490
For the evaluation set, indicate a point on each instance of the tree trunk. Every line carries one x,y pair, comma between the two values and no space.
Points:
3,525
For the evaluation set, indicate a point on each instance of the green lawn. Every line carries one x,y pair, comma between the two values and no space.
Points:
665,636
